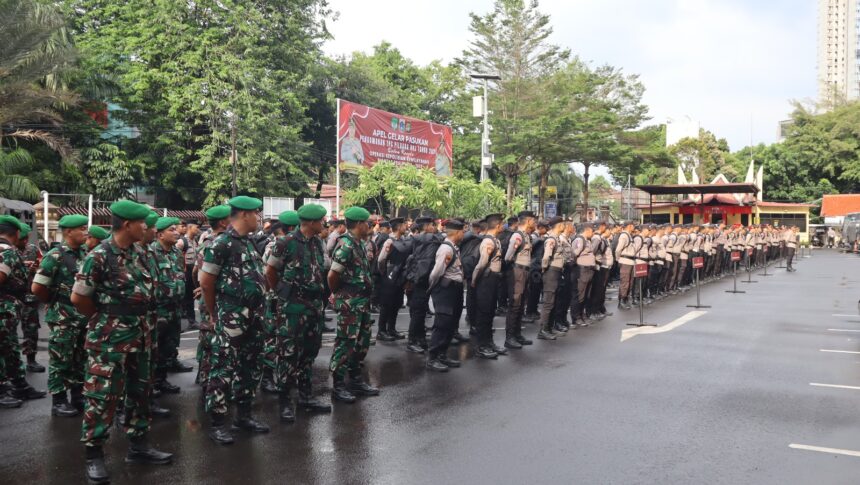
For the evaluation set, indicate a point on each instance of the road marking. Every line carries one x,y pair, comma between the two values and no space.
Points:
839,351
821,449
189,332
835,386
844,315
842,330
632,332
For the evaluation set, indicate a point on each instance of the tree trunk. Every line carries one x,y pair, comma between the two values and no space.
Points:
509,177
544,173
320,177
584,217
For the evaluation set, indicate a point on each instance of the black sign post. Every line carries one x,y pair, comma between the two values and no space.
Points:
698,264
749,252
640,272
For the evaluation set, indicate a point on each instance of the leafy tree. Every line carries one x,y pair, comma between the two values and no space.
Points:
706,155
109,171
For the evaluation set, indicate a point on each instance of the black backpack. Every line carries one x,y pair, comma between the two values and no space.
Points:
470,253
420,263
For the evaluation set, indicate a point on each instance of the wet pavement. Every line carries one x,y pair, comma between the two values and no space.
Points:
714,397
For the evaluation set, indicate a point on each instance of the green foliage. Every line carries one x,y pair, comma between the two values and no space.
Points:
13,184
109,171
705,154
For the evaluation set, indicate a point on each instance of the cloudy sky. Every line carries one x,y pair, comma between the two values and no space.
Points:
724,63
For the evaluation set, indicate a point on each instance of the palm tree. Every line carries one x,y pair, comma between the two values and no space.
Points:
12,184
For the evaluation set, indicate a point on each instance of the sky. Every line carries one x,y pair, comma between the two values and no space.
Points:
732,65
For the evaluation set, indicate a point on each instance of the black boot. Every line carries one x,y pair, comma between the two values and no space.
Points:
523,341
285,404
245,420
434,365
487,352
61,406
383,336
340,393
96,471
157,410
7,401
459,338
445,360
77,397
267,384
311,404
415,348
175,365
512,343
33,366
166,387
220,432
546,334
499,349
139,451
24,391
358,387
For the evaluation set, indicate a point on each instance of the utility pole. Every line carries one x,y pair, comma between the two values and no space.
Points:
486,156
234,157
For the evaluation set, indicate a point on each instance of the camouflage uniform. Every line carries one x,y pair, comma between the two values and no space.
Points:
170,289
269,355
352,303
66,341
117,340
238,334
12,294
204,336
30,310
298,307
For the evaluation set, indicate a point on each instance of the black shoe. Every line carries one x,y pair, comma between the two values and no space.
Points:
487,353
141,452
436,366
546,335
459,338
96,471
7,401
176,366
327,329
559,328
157,410
624,304
358,387
193,325
499,349
26,392
33,366
415,348
453,363
268,385
221,435
384,337
340,393
397,335
523,341
512,343
166,387
311,404
61,406
285,404
245,420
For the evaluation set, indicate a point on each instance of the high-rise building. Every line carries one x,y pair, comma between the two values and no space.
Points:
838,55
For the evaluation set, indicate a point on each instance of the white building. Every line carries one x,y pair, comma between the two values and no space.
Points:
682,127
838,66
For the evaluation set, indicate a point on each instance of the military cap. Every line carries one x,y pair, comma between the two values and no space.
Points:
6,220
312,212
357,214
128,210
384,224
526,214
396,221
289,218
421,221
98,232
554,220
218,212
151,219
245,203
25,229
454,224
72,221
543,223
165,222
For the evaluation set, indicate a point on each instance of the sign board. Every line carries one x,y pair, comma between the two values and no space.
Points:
366,136
736,255
698,262
640,270
750,251
550,209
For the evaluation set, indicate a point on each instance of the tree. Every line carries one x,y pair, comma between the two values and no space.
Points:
706,155
13,184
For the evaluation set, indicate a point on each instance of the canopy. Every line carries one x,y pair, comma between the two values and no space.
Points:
700,189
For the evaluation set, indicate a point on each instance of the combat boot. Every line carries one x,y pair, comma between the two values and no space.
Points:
310,403
220,433
139,451
24,391
175,365
96,471
545,334
358,387
33,366
245,420
77,397
267,383
286,406
512,343
415,348
166,387
383,336
61,406
434,365
522,340
157,410
487,352
340,393
445,360
7,401
499,349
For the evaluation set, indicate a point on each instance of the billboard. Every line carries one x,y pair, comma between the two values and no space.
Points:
366,136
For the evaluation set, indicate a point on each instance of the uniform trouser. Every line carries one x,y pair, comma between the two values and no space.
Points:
377,286
417,313
503,288
517,279
535,290
390,301
66,355
552,282
486,294
168,338
665,275
235,361
789,257
683,272
298,342
654,273
111,378
573,292
204,354
470,305
269,354
188,297
448,304
563,295
583,286
11,366
352,339
30,328
626,280
597,298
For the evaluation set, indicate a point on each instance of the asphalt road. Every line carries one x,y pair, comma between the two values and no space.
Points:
719,396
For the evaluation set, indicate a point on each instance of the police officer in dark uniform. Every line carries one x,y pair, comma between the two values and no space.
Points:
446,286
392,276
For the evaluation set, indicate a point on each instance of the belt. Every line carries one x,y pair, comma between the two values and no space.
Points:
522,266
349,287
126,310
235,300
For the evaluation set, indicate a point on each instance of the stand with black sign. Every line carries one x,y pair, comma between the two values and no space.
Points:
640,272
736,257
698,264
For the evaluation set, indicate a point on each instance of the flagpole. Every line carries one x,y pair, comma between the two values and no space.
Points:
337,162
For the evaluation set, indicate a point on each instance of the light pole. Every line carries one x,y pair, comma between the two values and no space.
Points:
486,156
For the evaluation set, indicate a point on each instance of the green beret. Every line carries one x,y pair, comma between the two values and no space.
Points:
311,212
151,219
218,212
289,218
25,229
73,221
11,221
356,214
165,222
128,210
245,203
99,233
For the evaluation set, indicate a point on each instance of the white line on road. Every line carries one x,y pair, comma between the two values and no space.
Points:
844,315
835,386
632,332
839,351
842,330
821,449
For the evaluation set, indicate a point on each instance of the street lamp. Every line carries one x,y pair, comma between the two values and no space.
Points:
481,109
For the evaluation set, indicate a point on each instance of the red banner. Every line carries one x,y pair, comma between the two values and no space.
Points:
366,136
698,262
736,255
640,270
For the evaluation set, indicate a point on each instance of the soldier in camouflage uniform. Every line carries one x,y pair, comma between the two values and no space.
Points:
114,289
294,273
170,289
218,221
32,256
286,223
95,235
13,288
351,283
53,286
233,288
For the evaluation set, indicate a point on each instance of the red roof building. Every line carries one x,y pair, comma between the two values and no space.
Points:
834,207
